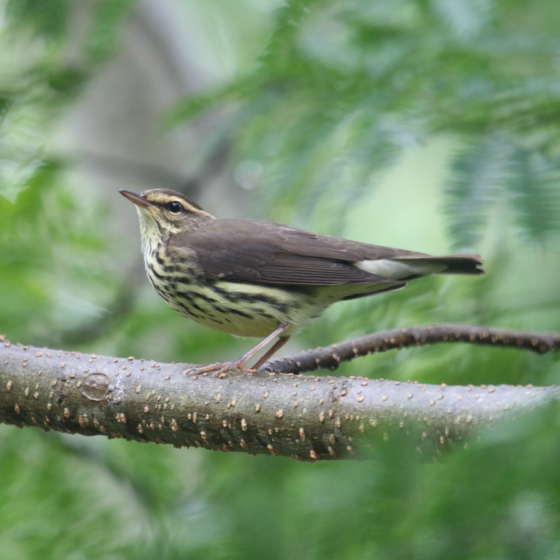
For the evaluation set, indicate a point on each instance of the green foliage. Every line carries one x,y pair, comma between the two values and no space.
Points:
535,189
64,498
345,86
421,124
47,19
37,78
104,37
477,172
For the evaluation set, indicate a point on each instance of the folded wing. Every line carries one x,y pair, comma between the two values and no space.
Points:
268,253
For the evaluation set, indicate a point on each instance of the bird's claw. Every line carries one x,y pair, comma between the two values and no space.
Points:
219,369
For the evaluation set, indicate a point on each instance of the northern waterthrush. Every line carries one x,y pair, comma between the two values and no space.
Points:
262,279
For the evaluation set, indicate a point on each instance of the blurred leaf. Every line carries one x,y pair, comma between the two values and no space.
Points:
66,81
534,184
194,106
48,18
106,29
478,172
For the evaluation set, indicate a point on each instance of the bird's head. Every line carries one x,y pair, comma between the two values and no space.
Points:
165,212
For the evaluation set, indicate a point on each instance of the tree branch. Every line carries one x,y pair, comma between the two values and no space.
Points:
305,417
331,356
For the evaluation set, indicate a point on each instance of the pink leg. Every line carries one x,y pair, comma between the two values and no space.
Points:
279,343
223,367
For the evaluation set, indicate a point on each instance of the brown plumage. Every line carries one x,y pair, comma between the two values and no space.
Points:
259,278
265,252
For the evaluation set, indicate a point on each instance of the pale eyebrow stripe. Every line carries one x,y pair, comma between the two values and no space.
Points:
189,207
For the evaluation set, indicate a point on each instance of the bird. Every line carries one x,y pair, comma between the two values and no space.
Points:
256,278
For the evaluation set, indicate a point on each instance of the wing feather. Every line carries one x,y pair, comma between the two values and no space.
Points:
269,253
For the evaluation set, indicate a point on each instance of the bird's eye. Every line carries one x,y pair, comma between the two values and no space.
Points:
175,207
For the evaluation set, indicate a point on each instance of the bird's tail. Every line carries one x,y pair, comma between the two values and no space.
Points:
454,264
414,266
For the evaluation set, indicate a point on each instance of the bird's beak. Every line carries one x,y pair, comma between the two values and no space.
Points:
137,198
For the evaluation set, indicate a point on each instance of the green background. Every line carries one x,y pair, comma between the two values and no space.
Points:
426,125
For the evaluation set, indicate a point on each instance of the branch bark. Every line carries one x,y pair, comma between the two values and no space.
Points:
331,356
304,417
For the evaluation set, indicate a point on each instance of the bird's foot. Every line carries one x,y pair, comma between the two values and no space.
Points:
219,369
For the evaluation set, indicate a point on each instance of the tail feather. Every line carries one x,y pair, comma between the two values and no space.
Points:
454,264
415,266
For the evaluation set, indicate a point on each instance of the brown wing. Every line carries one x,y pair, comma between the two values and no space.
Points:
269,253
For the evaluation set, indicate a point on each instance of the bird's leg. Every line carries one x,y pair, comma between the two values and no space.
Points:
223,367
271,351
